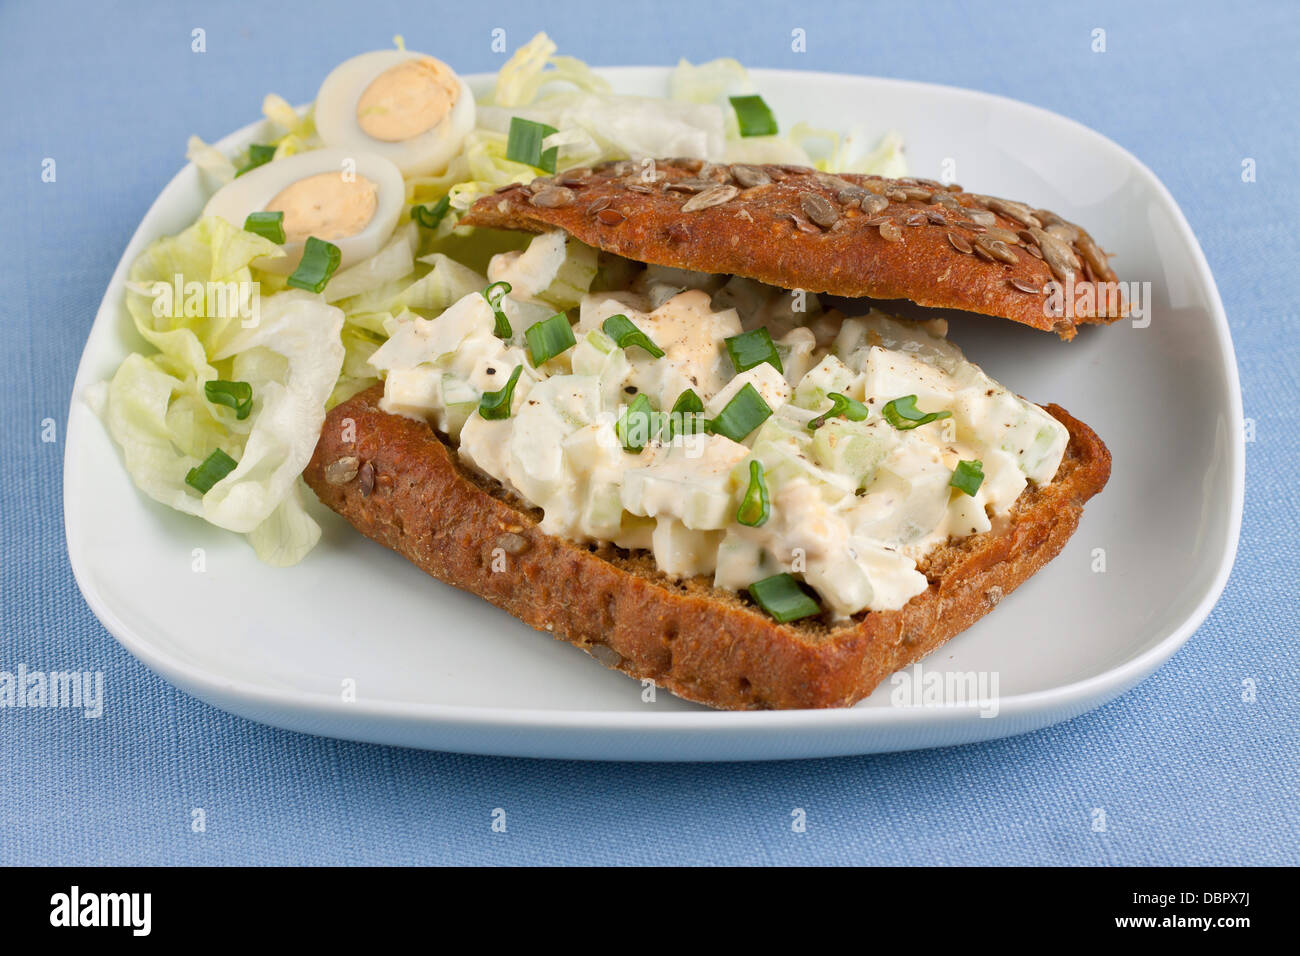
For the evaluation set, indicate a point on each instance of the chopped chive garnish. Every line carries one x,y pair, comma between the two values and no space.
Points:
496,405
903,414
236,395
258,155
756,506
549,338
745,412
494,294
783,598
841,405
524,144
430,216
638,424
753,348
684,419
215,467
967,477
268,225
754,116
621,329
319,261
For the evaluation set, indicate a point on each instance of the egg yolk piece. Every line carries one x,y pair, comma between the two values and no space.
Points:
407,100
327,206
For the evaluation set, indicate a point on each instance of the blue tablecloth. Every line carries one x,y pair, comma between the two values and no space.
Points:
1185,770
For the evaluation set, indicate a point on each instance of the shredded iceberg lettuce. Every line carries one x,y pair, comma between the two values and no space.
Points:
299,128
526,73
287,346
210,160
711,82
303,353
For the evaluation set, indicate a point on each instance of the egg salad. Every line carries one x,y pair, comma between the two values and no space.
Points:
708,421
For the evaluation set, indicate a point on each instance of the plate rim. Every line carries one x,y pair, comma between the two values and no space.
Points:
1045,707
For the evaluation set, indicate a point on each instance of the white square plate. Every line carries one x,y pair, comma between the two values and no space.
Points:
437,668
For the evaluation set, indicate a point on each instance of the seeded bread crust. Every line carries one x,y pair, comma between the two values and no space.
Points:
798,228
398,482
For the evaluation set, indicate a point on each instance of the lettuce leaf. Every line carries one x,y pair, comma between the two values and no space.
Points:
431,293
210,160
395,261
358,374
289,400
287,346
711,82
139,397
288,534
525,74
598,127
214,256
853,152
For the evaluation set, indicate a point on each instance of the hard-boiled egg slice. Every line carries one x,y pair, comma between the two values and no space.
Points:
402,105
347,197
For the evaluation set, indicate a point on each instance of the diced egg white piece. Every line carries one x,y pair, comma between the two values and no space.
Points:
690,480
555,268
905,501
420,340
796,351
682,552
893,575
691,335
888,375
768,382
413,392
828,375
553,410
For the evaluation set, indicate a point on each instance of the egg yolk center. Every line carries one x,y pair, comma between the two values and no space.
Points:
407,100
327,206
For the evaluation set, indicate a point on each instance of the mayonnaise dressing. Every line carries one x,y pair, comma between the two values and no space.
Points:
854,504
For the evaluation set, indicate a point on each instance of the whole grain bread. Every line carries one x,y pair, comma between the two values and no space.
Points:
847,235
397,481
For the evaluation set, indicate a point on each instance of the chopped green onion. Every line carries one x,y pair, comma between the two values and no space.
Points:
745,412
753,348
967,477
215,467
494,294
430,216
496,405
268,225
851,409
638,424
236,395
756,507
754,116
319,261
258,155
549,338
622,331
524,144
783,598
686,413
903,414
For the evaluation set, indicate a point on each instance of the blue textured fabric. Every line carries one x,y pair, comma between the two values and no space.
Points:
1186,771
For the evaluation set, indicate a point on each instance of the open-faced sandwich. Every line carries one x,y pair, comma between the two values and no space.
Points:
644,443
649,405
